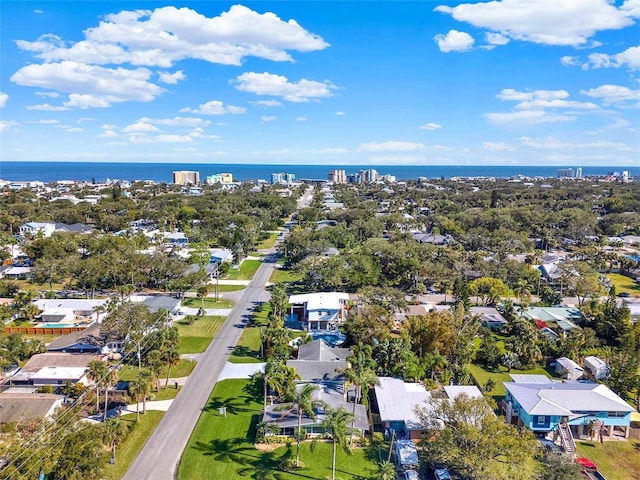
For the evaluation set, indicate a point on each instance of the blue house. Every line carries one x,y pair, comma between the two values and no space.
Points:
544,406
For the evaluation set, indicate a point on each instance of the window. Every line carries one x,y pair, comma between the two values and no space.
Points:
542,420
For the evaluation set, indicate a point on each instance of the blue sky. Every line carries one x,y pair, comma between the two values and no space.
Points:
505,82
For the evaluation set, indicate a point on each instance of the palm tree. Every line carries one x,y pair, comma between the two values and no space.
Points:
114,431
434,364
386,471
361,377
336,421
97,372
301,401
171,358
111,378
139,389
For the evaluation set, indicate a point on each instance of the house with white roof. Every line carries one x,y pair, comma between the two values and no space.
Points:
596,367
320,311
69,310
34,228
568,369
397,401
544,406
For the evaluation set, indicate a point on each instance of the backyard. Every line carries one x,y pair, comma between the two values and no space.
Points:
624,284
196,337
499,375
222,447
615,460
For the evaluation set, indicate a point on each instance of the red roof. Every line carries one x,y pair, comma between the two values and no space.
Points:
541,324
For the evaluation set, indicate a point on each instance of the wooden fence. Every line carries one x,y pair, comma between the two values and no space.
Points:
42,330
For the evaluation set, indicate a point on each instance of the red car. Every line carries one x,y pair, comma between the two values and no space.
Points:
589,469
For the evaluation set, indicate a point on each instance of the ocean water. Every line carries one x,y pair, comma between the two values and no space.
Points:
162,172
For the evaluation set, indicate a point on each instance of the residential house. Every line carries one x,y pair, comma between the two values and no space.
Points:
19,407
490,317
634,309
320,365
36,228
89,340
397,401
568,369
221,255
320,311
560,319
545,406
157,302
433,239
53,368
62,311
596,367
16,273
454,391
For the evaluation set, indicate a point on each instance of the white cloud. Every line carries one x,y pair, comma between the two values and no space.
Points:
90,85
177,121
629,58
140,127
569,61
38,11
511,94
390,146
301,119
266,103
533,104
496,147
551,143
3,99
165,35
74,130
214,107
279,86
493,38
340,114
610,94
48,94
45,107
430,126
268,118
454,41
527,117
171,78
6,125
45,121
549,22
142,139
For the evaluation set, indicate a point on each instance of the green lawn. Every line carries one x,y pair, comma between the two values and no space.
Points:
247,349
615,460
128,450
284,276
246,271
166,394
500,375
269,241
195,338
208,302
222,447
624,284
183,369
228,288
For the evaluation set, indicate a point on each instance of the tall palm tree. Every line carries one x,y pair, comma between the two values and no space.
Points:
336,420
110,379
139,389
361,377
97,372
114,431
301,401
171,358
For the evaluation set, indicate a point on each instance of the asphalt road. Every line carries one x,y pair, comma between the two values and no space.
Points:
160,456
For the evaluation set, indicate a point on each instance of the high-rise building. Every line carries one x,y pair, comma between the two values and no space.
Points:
338,176
566,173
186,177
282,178
579,172
368,176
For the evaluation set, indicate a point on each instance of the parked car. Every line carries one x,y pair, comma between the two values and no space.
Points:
440,472
589,469
409,475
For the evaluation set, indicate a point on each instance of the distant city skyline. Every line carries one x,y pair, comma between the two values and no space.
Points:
507,82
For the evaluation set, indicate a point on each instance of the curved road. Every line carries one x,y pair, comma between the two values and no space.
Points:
159,458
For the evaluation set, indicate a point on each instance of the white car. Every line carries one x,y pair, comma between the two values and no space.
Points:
410,475
441,473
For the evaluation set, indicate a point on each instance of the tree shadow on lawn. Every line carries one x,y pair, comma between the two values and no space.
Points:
242,351
233,406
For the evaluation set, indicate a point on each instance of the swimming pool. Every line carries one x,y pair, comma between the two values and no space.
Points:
333,339
56,325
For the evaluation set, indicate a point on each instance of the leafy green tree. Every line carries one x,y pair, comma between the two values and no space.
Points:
203,291
559,467
489,290
386,471
153,361
476,443
488,353
336,421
